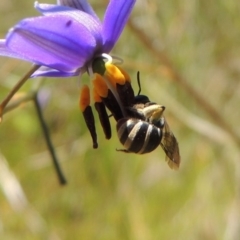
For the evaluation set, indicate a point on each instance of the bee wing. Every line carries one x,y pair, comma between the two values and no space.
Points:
170,146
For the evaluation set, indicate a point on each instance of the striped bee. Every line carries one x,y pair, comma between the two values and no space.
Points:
145,128
141,127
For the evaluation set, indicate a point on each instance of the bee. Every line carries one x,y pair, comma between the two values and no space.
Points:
145,128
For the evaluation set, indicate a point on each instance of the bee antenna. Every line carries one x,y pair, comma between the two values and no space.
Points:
139,83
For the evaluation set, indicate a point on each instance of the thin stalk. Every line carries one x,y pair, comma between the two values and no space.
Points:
47,137
15,89
18,102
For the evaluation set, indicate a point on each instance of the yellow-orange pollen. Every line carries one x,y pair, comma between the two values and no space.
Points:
125,74
115,75
84,98
100,85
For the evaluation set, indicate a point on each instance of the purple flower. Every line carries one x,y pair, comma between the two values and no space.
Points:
68,37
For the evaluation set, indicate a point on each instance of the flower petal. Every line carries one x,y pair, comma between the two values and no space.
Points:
47,9
94,25
51,8
82,5
42,71
116,16
4,51
49,72
58,41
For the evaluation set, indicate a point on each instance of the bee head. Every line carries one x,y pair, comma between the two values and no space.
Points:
141,99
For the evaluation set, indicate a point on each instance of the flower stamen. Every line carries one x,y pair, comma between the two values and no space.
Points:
84,104
102,114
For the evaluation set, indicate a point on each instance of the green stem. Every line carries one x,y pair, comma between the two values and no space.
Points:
47,137
16,88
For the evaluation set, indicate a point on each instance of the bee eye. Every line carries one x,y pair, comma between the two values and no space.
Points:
141,99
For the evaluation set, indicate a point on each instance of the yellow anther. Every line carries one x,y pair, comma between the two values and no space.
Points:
114,75
96,96
100,85
125,74
84,98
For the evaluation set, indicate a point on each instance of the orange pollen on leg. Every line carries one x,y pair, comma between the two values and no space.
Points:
100,85
84,100
114,75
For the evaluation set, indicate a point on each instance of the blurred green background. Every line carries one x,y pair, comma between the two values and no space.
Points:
188,54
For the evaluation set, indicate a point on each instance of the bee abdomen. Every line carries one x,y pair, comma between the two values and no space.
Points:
138,136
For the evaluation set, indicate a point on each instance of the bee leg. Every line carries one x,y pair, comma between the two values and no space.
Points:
84,103
123,150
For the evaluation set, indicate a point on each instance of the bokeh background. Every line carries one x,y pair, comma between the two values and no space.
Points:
188,55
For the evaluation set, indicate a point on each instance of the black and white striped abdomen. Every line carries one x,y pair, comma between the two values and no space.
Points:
138,136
